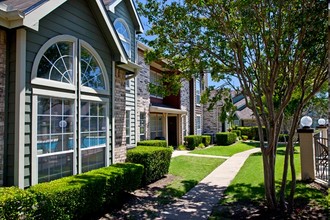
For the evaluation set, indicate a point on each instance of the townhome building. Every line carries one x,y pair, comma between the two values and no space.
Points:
67,87
172,117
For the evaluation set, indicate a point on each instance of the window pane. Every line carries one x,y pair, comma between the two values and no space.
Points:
56,63
55,167
91,73
92,159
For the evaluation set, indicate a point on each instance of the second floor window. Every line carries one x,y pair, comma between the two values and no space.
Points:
155,80
198,91
124,35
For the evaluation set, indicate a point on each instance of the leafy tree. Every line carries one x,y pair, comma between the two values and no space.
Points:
273,47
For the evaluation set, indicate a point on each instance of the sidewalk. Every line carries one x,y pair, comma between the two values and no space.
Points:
199,201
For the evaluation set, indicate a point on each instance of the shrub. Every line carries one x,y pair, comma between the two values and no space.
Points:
192,141
245,137
206,140
17,203
181,147
201,145
156,161
75,197
154,143
226,138
247,131
283,137
238,133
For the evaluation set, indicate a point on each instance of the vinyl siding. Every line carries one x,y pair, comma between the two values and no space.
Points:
130,105
121,11
72,18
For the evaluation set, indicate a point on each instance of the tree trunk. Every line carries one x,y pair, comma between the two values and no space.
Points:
268,157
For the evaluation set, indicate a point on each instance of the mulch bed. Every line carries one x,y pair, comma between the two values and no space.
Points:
144,204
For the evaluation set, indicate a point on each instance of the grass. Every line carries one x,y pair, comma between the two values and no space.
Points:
247,186
226,150
189,171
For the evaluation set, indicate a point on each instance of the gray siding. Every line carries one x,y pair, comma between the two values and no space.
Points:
130,105
72,18
122,12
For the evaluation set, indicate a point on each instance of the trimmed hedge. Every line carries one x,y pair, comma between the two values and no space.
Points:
238,132
73,197
206,140
156,161
153,143
193,141
247,131
226,138
17,203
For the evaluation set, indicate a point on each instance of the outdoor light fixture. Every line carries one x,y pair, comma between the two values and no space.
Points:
306,121
321,122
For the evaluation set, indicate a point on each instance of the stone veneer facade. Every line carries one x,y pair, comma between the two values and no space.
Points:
120,130
185,105
211,118
3,52
143,95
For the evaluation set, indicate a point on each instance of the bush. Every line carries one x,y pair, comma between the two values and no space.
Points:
238,133
156,161
153,143
206,140
17,203
75,197
226,138
283,137
247,131
244,137
192,141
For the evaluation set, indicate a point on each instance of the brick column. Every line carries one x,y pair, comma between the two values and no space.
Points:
120,123
3,51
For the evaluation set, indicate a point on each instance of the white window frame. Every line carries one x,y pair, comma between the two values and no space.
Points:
128,122
159,127
123,38
69,91
157,77
144,126
198,91
198,124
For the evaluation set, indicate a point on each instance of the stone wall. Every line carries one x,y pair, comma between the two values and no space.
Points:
3,51
143,95
120,130
185,105
211,118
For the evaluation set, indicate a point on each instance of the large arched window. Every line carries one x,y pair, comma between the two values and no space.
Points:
124,35
71,117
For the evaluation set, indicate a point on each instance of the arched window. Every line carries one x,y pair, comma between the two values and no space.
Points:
71,117
124,35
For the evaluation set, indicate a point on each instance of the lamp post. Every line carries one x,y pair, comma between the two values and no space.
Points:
306,140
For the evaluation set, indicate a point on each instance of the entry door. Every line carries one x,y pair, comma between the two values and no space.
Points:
172,131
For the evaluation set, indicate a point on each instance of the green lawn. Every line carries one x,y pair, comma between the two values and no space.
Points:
226,150
189,171
247,186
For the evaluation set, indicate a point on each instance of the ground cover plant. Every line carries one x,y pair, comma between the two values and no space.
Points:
226,150
244,197
188,171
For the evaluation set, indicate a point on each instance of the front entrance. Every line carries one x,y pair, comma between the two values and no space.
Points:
172,131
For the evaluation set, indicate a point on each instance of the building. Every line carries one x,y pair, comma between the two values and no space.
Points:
68,100
171,117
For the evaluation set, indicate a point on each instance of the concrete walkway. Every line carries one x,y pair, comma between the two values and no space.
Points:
199,201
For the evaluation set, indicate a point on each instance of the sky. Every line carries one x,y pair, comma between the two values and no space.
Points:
147,26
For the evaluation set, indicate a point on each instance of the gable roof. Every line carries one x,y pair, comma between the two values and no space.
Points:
18,13
111,5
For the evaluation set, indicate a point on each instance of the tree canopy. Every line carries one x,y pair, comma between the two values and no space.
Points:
274,47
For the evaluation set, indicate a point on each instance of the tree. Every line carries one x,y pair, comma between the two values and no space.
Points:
273,47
